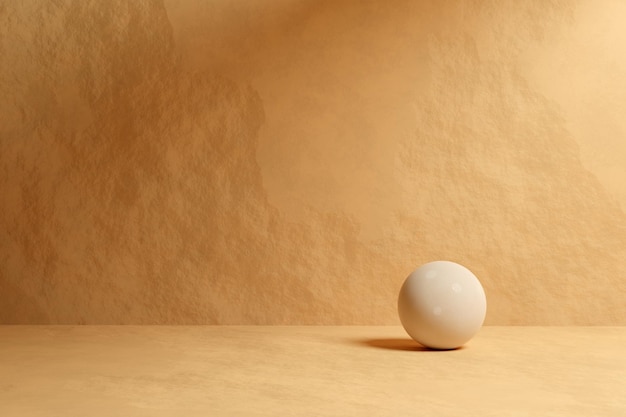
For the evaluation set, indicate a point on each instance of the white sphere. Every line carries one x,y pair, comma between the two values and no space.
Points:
442,305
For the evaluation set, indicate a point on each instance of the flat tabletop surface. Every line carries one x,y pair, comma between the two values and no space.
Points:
308,371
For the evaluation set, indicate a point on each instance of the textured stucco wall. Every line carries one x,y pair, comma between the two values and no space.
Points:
292,161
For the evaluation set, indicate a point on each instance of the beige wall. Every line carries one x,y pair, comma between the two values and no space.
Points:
283,161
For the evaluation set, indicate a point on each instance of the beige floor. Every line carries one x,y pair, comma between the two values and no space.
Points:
309,371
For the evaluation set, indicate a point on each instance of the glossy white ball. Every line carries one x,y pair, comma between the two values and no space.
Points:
442,305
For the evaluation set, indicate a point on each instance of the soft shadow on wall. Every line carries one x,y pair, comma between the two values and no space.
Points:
292,162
